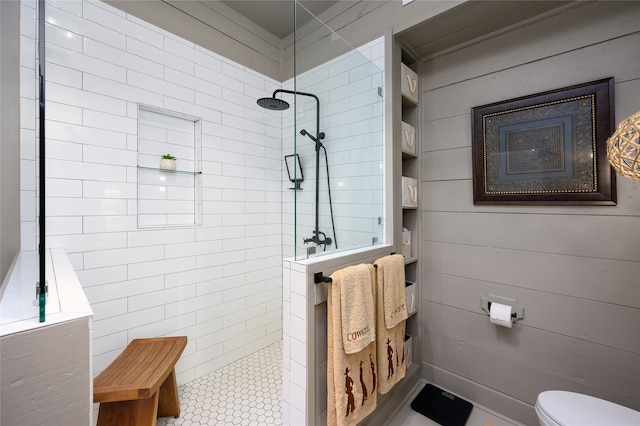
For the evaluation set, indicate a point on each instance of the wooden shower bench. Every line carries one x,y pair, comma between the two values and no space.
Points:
140,385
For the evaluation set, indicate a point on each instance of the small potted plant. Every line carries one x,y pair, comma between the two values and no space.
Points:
168,162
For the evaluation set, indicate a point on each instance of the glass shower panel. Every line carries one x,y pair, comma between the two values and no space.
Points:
337,133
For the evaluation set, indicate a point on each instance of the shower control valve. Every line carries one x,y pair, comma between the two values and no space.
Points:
319,238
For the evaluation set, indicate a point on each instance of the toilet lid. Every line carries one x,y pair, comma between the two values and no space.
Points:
570,408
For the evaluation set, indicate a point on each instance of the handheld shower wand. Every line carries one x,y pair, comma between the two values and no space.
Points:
303,132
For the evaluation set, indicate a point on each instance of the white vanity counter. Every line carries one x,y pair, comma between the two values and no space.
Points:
45,368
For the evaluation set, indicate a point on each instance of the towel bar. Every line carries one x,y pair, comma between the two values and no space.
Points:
318,277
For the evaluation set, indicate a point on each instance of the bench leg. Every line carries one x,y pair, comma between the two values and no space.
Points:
169,404
139,412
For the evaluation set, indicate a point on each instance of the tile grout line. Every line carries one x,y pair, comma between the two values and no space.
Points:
245,392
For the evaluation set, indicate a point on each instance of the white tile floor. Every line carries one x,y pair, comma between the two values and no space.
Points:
249,391
245,392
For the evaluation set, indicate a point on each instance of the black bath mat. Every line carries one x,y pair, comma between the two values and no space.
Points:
441,406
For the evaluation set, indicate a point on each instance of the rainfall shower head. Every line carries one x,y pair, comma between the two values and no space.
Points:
274,104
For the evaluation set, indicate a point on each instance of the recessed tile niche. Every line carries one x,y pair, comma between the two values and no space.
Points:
168,198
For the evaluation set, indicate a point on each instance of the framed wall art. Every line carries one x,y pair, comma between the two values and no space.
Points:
545,149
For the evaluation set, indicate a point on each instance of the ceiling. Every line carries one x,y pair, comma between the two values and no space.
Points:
468,21
249,31
472,21
276,16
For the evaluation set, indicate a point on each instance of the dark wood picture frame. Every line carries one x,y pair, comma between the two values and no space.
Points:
545,149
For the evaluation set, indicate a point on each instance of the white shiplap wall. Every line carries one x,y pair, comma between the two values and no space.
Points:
220,283
574,269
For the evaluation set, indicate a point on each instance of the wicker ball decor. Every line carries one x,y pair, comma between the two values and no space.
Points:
623,148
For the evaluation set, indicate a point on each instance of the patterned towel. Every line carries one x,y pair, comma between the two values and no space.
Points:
390,309
351,378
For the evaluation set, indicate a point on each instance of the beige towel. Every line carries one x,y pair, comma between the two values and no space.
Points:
392,365
357,309
351,378
391,269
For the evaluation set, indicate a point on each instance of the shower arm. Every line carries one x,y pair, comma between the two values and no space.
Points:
294,92
316,233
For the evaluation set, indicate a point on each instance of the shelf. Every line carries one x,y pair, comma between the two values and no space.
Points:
408,118
408,102
157,169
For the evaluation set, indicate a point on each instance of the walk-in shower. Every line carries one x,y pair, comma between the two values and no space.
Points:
319,238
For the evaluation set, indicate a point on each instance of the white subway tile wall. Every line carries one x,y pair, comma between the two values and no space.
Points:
220,283
28,129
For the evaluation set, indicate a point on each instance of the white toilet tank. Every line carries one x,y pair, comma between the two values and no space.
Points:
562,408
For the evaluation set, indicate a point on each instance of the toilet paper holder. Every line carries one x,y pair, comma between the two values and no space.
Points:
517,311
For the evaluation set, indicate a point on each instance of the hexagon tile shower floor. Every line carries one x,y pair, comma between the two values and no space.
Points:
245,392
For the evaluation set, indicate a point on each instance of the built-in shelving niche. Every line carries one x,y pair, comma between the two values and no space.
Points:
169,198
410,151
